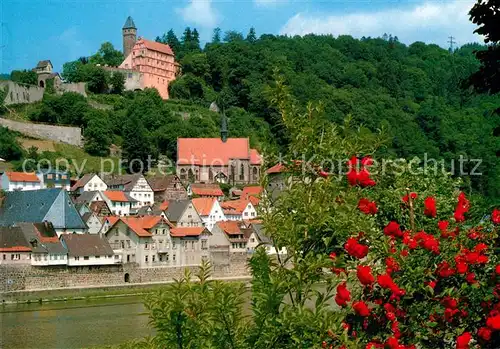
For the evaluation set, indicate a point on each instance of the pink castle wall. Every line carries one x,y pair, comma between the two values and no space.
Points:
155,61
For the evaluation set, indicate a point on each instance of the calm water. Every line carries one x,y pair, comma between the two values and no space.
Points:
74,324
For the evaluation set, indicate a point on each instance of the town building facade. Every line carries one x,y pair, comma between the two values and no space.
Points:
19,181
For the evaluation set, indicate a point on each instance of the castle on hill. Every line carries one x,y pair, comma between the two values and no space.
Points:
147,63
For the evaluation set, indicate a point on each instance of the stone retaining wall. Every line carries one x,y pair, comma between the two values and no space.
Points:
17,278
64,134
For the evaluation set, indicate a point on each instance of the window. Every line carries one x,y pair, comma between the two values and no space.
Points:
173,244
153,258
245,214
185,245
146,246
242,172
123,244
203,244
146,258
116,232
166,257
192,245
77,258
173,257
85,258
252,240
130,74
252,214
97,257
117,256
4,257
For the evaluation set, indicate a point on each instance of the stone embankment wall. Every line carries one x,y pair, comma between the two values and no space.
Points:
77,87
21,93
18,278
64,134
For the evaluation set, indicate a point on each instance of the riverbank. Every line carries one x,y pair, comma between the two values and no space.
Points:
90,292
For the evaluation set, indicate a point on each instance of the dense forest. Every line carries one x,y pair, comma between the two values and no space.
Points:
414,94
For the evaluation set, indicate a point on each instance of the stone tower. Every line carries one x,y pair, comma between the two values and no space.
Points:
129,32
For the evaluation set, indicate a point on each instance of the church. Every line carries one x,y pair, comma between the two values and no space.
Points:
218,160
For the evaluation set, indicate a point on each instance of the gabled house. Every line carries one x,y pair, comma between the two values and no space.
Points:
142,240
88,197
46,248
89,182
54,179
276,180
119,202
167,188
14,248
51,205
191,244
209,210
100,208
93,222
88,250
235,233
205,190
259,237
182,213
238,210
20,181
134,185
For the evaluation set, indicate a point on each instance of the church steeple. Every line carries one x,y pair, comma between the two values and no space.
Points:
223,128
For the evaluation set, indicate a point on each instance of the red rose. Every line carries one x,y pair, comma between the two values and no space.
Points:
449,302
343,295
364,274
443,225
361,308
413,196
484,333
390,316
355,249
471,278
462,267
391,265
497,269
323,174
494,322
495,216
393,229
366,206
462,208
366,161
463,340
430,207
444,270
333,255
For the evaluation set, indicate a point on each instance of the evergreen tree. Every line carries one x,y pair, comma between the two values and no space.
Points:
136,145
251,37
195,43
187,37
216,36
173,42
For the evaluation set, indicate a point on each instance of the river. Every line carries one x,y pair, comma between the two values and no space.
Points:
73,324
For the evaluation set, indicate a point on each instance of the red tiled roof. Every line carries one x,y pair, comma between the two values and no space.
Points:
187,231
112,219
255,158
164,205
22,177
116,195
237,205
206,190
212,151
156,46
254,200
278,168
140,225
149,222
135,226
251,191
230,227
203,205
15,249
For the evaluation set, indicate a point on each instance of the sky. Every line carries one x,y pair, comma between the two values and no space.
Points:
63,30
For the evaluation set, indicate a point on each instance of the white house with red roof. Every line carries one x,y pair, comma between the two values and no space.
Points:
205,190
232,234
238,210
119,202
223,160
21,181
209,210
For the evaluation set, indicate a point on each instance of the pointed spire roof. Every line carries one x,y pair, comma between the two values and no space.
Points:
129,23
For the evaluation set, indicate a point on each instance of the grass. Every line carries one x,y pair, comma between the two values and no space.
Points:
82,162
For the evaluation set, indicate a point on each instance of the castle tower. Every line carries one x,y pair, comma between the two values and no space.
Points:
129,32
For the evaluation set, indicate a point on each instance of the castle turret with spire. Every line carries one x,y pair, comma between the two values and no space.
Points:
129,32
